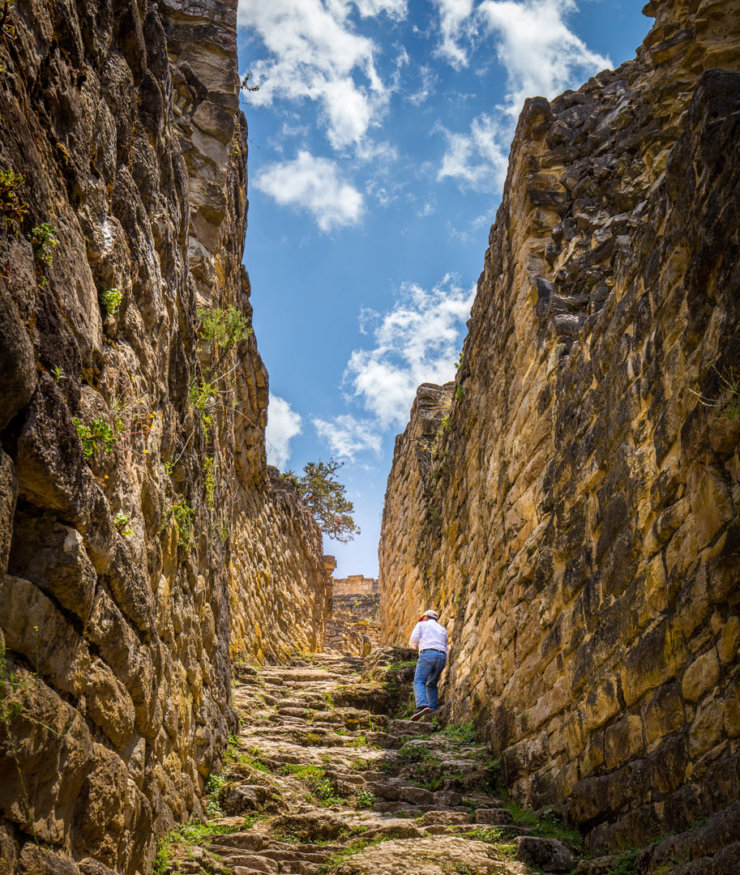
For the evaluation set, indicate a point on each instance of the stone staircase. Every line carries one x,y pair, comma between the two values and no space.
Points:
326,778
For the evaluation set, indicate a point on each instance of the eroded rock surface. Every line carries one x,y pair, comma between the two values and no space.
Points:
575,517
132,467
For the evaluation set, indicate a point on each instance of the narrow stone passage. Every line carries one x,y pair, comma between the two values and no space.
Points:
325,778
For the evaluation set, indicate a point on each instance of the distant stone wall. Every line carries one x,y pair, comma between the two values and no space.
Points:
576,521
280,591
135,506
355,584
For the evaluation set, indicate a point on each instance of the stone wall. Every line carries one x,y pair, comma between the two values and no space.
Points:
575,514
280,591
135,502
354,584
353,625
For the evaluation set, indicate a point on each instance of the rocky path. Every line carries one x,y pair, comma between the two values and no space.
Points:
324,779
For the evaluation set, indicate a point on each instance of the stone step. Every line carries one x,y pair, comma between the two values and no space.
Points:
255,862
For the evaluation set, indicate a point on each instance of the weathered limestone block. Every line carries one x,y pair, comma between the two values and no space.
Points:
35,860
108,704
34,627
280,590
53,755
17,361
700,676
53,557
103,810
53,473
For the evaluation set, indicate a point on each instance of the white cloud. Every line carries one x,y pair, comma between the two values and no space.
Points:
466,234
381,153
416,342
283,424
426,88
454,19
541,55
313,184
477,159
395,9
314,53
348,436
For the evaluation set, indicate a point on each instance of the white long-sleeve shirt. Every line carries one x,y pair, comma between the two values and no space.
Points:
429,635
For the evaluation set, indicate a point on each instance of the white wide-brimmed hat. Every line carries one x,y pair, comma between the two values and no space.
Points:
430,613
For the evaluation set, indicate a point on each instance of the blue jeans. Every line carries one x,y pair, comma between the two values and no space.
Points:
428,669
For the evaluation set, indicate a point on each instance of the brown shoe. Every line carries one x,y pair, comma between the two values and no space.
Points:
420,712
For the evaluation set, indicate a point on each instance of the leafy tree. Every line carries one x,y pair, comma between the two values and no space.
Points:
325,498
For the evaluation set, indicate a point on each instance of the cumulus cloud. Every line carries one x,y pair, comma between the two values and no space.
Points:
313,52
478,159
416,342
541,55
283,424
313,184
347,436
454,21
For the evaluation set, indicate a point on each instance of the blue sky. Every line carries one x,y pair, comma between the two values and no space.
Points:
377,153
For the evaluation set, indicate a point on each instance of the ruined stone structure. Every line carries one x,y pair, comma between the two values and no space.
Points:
353,623
140,528
355,584
571,503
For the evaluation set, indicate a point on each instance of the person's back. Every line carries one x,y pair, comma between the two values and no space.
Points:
429,634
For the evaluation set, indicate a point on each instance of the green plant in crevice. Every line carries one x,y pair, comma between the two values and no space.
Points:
460,733
222,328
95,436
194,834
215,783
182,515
122,522
626,863
44,241
58,374
245,83
364,799
111,300
319,784
546,825
209,473
13,209
459,393
7,30
203,394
